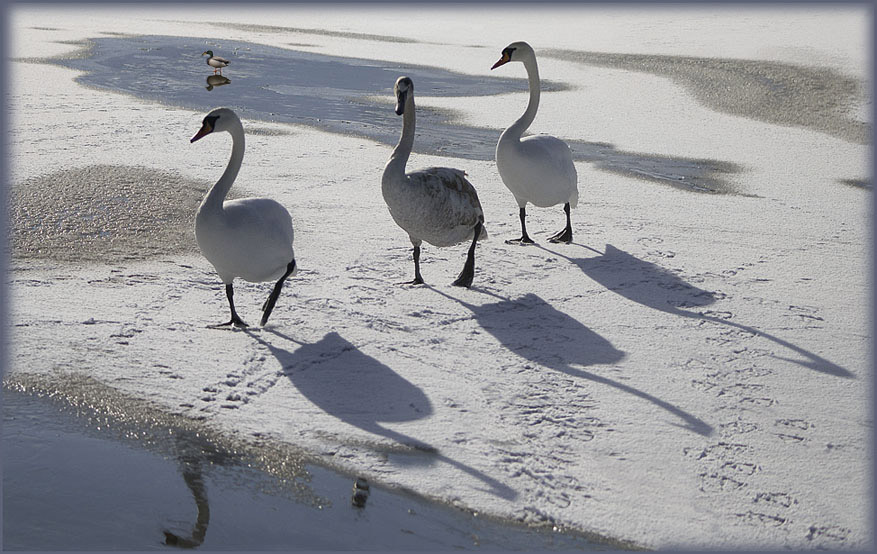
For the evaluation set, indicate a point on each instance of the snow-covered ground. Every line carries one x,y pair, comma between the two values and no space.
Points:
694,371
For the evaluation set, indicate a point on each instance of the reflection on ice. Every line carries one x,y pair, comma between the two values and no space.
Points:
216,81
195,481
80,439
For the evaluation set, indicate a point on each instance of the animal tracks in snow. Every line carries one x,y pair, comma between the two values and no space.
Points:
536,366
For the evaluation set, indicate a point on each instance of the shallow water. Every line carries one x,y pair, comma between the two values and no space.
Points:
346,95
340,95
75,481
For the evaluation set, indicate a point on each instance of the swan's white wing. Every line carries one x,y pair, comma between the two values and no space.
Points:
253,240
538,169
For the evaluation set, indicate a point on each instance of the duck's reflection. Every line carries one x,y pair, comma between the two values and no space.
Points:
216,81
360,492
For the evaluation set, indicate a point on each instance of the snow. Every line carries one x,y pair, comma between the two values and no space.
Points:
692,372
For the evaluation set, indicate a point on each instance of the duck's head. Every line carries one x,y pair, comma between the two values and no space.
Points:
515,52
220,119
403,89
207,53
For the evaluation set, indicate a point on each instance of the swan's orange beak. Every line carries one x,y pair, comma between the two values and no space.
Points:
503,60
206,129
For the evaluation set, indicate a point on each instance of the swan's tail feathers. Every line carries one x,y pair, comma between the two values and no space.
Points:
483,234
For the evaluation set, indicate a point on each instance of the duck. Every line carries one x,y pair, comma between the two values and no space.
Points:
537,169
437,204
248,238
216,62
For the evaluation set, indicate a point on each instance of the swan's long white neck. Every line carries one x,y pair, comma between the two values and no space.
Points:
217,194
399,157
516,129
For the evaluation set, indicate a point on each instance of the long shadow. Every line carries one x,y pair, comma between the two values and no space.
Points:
361,391
342,95
657,288
536,331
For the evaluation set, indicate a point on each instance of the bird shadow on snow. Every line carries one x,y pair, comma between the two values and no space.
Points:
363,392
537,331
657,288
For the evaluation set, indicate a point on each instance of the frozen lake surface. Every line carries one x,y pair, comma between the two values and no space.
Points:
343,95
694,370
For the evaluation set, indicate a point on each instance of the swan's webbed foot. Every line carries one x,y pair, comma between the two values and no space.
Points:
416,281
566,234
233,322
563,236
465,278
525,238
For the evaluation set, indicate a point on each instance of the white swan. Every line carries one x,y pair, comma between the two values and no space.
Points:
537,169
250,238
437,205
215,62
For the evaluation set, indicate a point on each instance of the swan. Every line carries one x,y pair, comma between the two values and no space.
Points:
215,62
437,205
250,238
536,169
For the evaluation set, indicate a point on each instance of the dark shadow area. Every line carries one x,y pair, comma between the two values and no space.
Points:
657,288
342,95
363,392
538,332
864,184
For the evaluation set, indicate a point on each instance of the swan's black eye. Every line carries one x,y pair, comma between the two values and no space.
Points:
210,120
508,52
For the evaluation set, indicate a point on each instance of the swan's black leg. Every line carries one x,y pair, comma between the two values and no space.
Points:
418,280
268,306
525,238
468,273
566,234
235,320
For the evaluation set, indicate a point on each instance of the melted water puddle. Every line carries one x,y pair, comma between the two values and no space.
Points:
70,483
350,96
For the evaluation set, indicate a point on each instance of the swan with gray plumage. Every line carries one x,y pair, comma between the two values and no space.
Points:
250,238
438,204
537,169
